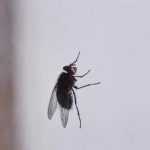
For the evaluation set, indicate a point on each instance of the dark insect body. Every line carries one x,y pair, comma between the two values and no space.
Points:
63,93
64,86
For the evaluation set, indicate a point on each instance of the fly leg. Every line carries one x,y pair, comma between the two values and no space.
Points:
76,59
83,75
76,106
85,85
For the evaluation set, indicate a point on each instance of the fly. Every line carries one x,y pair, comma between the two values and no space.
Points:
63,93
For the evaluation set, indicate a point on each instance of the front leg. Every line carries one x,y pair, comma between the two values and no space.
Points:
85,85
83,75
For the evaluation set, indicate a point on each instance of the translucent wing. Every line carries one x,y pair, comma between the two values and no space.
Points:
52,103
64,112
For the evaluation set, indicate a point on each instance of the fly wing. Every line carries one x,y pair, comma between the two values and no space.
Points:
64,112
52,103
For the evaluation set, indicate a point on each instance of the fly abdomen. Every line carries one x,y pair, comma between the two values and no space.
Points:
65,100
64,94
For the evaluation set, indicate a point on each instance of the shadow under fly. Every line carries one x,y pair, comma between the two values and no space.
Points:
64,94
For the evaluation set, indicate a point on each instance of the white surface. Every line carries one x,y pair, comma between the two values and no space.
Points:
113,37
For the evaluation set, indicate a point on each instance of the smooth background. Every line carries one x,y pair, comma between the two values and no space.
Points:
113,37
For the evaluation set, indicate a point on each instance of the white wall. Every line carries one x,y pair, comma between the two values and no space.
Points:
113,37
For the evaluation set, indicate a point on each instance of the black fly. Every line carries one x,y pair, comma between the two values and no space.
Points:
63,93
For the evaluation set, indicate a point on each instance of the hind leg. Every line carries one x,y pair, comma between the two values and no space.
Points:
76,106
